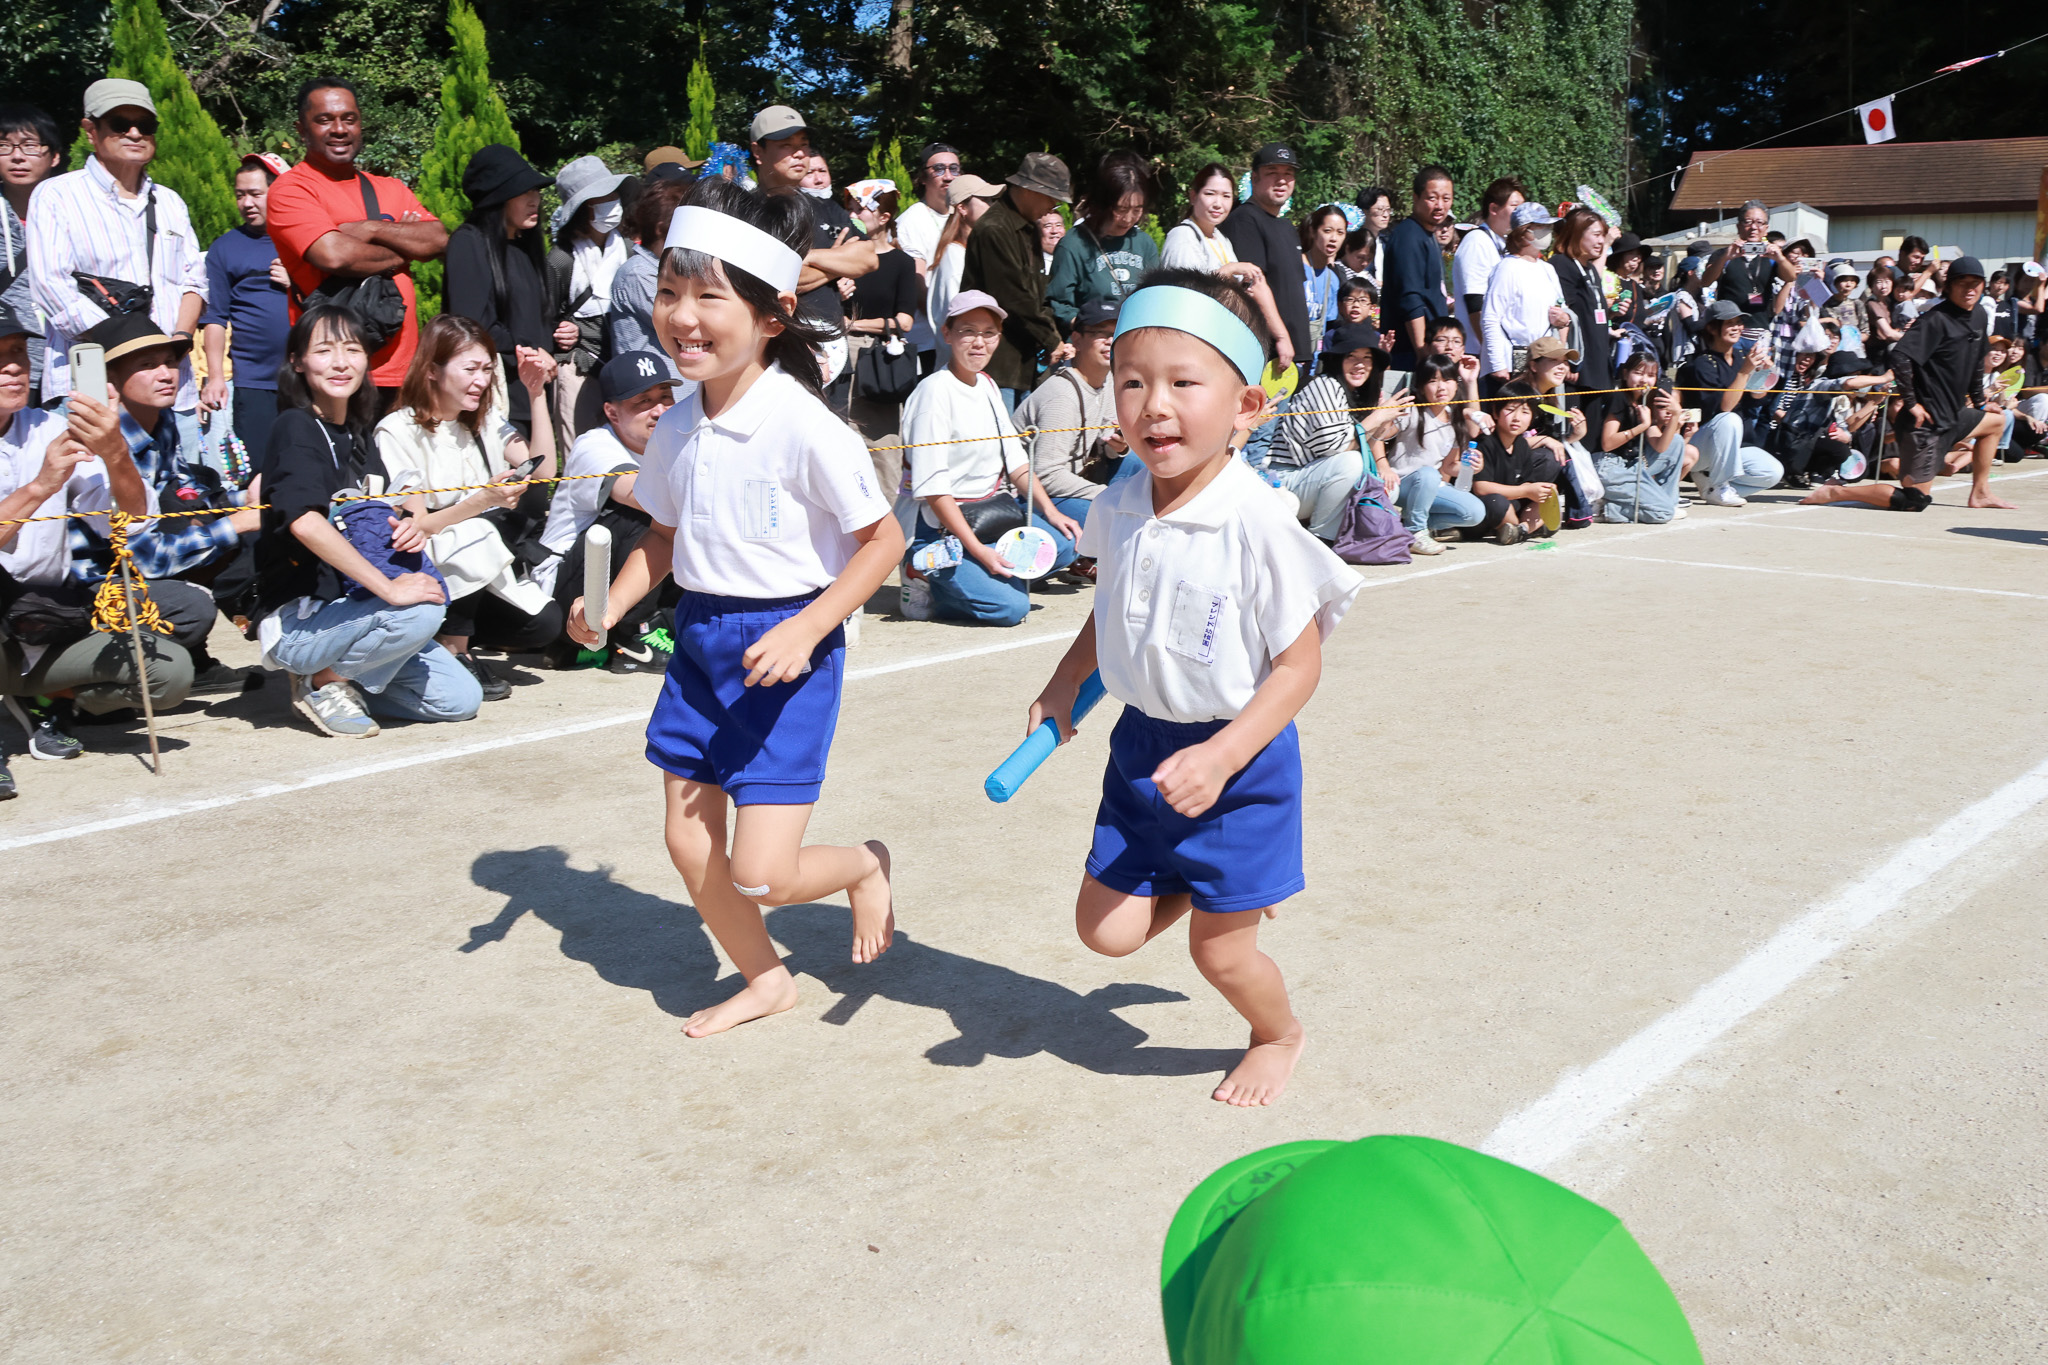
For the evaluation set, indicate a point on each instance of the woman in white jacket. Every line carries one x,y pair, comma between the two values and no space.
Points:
1523,301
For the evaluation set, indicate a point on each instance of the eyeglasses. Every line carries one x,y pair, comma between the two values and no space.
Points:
24,148
121,123
977,336
942,168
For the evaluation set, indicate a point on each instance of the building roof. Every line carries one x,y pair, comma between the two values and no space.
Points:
1991,175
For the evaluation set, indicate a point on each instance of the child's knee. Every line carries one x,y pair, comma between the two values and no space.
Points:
762,880
1109,944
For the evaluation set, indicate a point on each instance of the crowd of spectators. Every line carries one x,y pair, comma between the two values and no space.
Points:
375,500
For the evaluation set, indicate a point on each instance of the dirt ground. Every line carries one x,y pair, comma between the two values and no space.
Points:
370,1052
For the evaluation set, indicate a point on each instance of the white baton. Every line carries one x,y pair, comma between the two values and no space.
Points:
597,579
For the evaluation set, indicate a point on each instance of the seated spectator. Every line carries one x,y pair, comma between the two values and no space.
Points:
1732,461
441,437
1643,456
1422,454
1318,447
52,663
598,489
1196,244
1522,300
497,273
207,551
884,304
629,319
965,449
245,316
349,615
31,151
588,255
1515,477
1795,422
1108,251
1078,448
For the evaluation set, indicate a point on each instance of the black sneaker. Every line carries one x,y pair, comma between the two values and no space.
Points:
211,678
648,654
48,722
495,687
7,792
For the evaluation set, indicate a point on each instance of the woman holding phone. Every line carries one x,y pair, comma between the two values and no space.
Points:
356,639
442,437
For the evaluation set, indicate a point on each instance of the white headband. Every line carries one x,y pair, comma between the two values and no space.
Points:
725,238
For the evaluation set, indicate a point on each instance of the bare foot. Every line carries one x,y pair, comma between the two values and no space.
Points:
1821,493
874,912
769,993
1989,499
1262,1073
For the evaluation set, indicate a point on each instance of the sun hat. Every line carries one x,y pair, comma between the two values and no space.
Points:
126,333
667,156
103,97
1552,348
497,173
968,187
582,180
868,193
1407,1249
1843,269
1347,337
967,300
1043,173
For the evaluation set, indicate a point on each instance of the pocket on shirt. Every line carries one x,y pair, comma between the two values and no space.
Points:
761,516
1195,621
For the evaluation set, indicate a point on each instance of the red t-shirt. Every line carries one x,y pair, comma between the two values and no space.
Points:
305,205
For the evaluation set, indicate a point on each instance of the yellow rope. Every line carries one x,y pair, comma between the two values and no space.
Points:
110,603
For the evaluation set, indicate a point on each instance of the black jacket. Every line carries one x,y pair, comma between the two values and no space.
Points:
1939,360
1585,299
593,339
511,306
1005,259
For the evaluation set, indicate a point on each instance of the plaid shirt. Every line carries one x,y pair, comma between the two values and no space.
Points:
168,547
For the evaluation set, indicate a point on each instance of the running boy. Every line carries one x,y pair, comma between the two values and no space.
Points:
786,536
1211,607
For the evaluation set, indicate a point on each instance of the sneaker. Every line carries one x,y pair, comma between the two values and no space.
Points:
917,600
1726,496
1679,513
336,710
1449,535
1508,533
211,678
644,655
48,723
495,687
1423,545
1576,523
1699,485
1081,573
7,792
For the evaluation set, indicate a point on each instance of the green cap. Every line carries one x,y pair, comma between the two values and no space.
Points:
1407,1249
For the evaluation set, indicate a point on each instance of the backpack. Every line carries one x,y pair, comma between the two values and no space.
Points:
1371,532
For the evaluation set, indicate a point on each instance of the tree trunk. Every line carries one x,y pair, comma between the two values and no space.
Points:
899,37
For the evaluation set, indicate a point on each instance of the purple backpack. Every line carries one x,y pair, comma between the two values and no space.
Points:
1371,532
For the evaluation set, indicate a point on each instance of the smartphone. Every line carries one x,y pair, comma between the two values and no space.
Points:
526,470
89,370
1691,415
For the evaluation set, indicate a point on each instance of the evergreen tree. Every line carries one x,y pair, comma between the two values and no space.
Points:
886,163
192,157
701,131
472,117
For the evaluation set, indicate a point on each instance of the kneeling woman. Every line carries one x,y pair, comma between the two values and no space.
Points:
445,435
1422,458
357,642
1318,451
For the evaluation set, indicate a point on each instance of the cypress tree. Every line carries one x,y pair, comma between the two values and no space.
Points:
472,117
886,163
701,131
192,155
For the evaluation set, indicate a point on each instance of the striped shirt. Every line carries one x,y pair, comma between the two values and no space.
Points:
80,221
1313,425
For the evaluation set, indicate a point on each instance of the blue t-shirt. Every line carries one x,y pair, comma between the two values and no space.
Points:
1319,287
240,296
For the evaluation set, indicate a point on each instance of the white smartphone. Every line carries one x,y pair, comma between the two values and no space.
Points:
89,370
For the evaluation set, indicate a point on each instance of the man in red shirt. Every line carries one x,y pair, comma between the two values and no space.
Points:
318,220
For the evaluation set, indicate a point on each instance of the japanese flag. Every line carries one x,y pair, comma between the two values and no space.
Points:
1877,120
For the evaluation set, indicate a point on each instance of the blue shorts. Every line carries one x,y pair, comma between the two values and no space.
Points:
1243,853
765,746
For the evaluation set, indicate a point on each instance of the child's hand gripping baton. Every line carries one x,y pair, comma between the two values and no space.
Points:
1003,783
597,579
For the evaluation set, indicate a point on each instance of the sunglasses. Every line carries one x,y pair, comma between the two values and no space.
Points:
121,123
942,168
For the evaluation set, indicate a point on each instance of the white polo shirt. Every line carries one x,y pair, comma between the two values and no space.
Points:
40,552
764,497
1192,608
579,497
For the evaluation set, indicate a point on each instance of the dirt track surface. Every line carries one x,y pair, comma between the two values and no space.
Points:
370,1051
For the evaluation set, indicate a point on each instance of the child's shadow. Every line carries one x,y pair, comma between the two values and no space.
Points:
646,943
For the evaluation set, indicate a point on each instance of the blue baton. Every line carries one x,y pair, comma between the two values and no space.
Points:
1003,783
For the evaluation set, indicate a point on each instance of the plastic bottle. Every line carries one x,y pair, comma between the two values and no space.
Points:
942,553
1468,464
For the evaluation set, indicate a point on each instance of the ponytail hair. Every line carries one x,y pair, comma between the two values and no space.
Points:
787,218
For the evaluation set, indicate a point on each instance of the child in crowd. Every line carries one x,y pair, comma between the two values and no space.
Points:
1516,476
783,535
1210,612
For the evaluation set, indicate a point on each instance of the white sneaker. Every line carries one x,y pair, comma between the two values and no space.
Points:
1699,485
335,710
1679,513
1423,545
1726,496
917,600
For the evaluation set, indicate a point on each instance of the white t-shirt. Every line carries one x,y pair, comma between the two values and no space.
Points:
447,457
1420,441
40,551
1192,608
941,283
764,497
918,229
1471,268
942,409
1186,248
577,501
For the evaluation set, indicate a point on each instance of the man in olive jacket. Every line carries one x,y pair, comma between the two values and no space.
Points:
1006,260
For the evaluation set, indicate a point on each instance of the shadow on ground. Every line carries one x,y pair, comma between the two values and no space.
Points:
646,943
2016,534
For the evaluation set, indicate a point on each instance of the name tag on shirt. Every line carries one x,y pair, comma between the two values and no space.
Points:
1197,617
763,515
1600,317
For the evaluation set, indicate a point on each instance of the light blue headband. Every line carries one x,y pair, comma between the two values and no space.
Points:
1184,310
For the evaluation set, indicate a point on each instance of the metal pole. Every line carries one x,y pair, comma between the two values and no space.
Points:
156,758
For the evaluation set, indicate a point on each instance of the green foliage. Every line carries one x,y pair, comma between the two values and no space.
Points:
472,117
191,155
885,162
702,130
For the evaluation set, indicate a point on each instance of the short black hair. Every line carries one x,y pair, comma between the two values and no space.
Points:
1446,323
1222,288
1517,391
304,98
924,156
1428,173
26,118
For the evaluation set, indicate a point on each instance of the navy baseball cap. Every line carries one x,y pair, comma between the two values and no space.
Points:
633,372
1275,154
1096,313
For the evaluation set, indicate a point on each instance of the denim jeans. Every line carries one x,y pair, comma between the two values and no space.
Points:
1725,461
1429,504
968,592
1643,491
1077,508
1323,489
389,652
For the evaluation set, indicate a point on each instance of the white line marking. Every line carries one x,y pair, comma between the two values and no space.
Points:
1547,1131
444,753
1838,531
1811,573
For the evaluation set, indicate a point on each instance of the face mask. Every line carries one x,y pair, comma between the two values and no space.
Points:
815,192
606,217
1543,241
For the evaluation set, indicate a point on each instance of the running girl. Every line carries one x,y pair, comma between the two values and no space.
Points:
1211,607
784,535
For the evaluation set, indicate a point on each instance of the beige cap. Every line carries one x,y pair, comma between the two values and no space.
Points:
662,156
774,123
968,187
103,97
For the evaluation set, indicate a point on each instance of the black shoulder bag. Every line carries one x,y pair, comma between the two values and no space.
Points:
119,296
375,299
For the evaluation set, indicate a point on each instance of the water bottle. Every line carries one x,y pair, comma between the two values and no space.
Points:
942,553
1468,463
